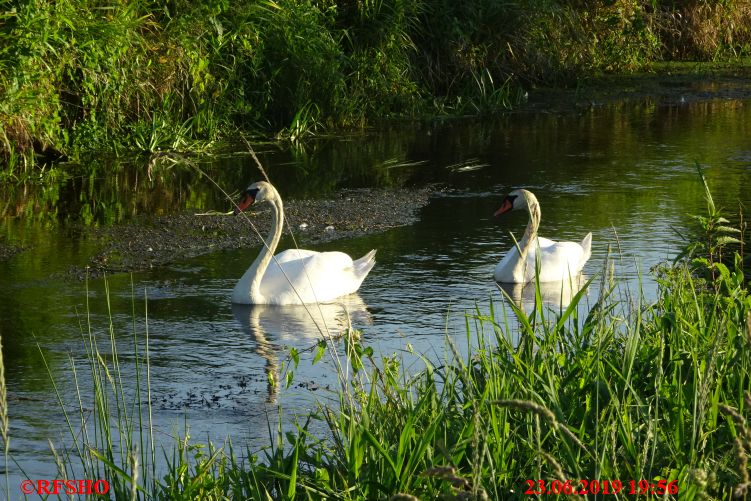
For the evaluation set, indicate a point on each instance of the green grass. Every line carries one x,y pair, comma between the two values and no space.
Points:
623,391
114,441
80,75
636,394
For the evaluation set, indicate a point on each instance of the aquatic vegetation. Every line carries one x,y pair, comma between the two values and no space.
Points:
718,240
628,394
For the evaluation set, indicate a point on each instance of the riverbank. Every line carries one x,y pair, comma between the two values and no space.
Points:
147,240
141,77
671,84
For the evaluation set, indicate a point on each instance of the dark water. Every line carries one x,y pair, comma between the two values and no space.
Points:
624,172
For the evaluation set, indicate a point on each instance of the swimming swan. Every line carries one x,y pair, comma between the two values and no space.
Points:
558,260
295,276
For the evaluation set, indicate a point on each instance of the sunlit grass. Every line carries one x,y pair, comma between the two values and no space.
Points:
629,398
139,76
115,440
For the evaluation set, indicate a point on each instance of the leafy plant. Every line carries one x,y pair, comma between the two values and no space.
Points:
718,237
76,76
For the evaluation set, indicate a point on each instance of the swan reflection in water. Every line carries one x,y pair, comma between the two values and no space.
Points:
555,295
272,328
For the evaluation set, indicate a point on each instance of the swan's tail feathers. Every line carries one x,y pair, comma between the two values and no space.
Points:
587,246
365,264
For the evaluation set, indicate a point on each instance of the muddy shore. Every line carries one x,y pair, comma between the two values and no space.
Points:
150,242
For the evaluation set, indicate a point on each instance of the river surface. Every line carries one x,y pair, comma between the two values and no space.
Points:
624,171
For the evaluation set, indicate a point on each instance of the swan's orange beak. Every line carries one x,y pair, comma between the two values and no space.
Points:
505,207
243,204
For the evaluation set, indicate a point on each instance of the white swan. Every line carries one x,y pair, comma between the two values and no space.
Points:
295,276
558,260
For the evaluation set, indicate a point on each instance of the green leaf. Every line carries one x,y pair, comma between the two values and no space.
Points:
356,363
292,488
119,471
322,476
724,240
723,270
320,350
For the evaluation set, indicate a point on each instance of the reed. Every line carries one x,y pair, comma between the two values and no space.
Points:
634,399
114,440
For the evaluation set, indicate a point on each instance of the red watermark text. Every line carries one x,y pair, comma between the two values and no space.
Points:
58,486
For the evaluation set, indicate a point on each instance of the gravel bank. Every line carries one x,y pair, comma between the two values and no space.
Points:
149,242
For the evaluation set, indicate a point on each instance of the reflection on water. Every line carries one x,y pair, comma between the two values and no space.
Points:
556,296
271,328
624,172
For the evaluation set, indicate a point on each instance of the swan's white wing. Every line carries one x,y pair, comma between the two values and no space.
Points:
504,269
545,242
307,276
294,254
558,261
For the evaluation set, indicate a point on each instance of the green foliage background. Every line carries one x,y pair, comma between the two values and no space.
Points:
145,75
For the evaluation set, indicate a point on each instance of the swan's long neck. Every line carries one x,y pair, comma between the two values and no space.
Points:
258,268
529,238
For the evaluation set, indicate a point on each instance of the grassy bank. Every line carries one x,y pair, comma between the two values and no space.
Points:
141,76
